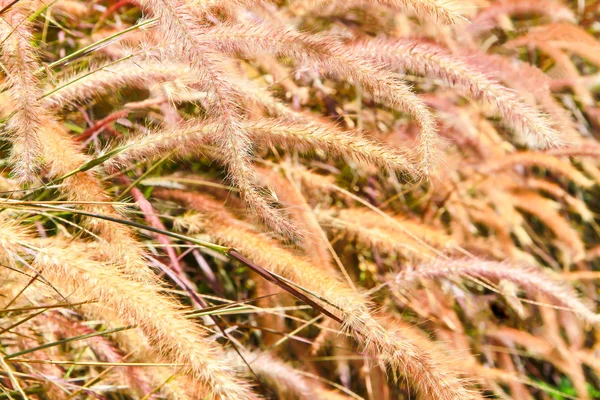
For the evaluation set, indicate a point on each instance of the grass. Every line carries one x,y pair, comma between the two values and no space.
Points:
299,199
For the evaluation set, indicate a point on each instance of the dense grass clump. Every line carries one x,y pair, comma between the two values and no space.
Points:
299,199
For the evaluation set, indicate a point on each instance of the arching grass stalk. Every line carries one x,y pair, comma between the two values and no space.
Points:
226,251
